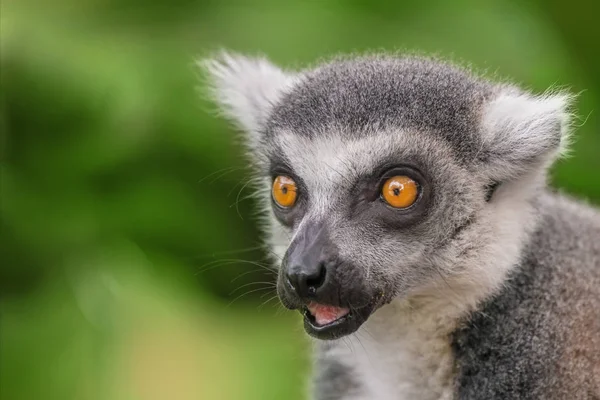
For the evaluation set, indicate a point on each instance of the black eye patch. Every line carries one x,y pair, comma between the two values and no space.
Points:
369,206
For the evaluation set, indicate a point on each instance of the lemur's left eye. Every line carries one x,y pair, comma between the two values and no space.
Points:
284,191
400,191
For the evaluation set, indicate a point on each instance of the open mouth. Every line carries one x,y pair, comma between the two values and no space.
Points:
330,322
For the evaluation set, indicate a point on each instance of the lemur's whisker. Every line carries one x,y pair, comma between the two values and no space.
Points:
218,172
247,293
219,263
265,295
357,336
223,262
364,328
345,341
216,178
264,303
247,181
237,199
271,274
267,284
228,252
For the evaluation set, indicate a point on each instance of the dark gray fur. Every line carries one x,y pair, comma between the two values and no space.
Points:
383,91
335,380
538,338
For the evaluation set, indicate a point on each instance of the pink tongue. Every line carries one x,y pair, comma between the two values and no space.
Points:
326,314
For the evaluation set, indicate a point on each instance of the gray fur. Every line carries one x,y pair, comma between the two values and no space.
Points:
471,291
335,380
538,338
404,93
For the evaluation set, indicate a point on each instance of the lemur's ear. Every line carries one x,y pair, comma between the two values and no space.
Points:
522,132
245,88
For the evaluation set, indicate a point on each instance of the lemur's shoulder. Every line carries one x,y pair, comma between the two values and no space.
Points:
539,338
568,230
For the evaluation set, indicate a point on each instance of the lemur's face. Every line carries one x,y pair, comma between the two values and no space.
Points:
366,218
377,174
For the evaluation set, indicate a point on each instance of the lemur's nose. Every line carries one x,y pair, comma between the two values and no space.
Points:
310,263
307,279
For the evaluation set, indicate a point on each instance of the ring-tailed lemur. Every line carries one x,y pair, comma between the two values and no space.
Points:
407,199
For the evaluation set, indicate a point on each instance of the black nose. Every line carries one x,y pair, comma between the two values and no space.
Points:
307,279
309,264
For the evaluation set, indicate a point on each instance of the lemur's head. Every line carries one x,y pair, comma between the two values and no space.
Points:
389,177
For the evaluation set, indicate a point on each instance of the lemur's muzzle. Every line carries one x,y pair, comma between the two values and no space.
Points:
310,281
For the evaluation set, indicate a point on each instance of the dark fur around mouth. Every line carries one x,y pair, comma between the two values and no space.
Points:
346,325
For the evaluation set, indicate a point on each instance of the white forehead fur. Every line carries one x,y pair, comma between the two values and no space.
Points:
332,160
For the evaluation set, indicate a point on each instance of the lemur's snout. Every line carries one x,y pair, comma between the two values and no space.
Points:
309,264
316,281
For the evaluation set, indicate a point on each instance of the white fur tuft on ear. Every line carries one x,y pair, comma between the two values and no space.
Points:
245,88
521,131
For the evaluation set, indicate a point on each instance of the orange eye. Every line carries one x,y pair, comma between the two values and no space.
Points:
400,191
284,191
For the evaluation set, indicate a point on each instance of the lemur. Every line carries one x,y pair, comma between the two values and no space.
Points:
406,198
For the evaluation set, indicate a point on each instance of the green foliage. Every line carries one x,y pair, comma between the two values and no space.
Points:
120,191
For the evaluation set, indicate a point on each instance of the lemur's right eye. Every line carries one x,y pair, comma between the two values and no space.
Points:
284,191
400,191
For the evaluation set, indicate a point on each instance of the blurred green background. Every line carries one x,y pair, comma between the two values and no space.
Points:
126,241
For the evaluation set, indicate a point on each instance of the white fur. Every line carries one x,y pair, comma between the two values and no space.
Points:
246,89
332,160
518,126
